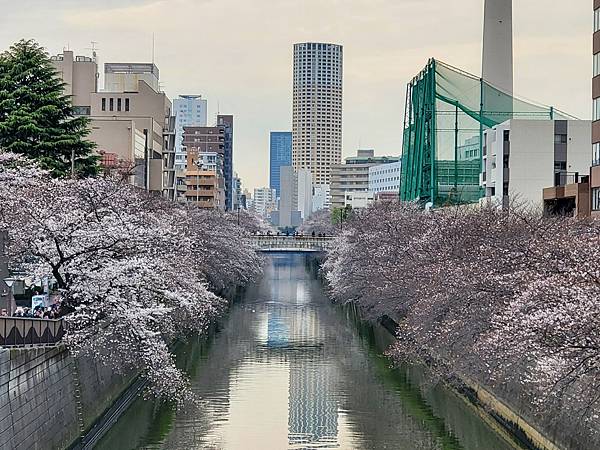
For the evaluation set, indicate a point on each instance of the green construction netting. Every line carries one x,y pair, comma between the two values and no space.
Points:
447,111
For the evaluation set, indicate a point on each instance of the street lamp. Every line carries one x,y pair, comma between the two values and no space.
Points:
11,297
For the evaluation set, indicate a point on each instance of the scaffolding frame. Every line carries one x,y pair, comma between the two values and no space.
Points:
446,113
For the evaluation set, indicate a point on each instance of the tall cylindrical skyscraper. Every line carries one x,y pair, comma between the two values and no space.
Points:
498,44
317,109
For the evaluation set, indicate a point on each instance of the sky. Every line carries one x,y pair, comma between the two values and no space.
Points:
238,55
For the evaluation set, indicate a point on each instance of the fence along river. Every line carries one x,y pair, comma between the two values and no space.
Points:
287,369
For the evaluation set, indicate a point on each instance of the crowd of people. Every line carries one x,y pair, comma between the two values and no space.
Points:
39,312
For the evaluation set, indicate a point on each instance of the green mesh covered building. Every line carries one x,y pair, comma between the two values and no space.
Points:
447,111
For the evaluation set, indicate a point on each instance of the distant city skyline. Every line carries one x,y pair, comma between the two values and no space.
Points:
384,47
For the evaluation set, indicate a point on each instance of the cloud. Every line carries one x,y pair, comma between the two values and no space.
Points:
238,54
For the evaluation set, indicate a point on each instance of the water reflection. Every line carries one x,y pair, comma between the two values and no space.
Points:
289,370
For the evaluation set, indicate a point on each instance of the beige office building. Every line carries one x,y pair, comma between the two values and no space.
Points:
317,109
353,176
80,75
131,122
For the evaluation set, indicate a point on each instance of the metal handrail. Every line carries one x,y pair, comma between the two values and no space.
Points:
293,242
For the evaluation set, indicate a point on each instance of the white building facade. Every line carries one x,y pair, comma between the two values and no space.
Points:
321,197
190,111
264,201
317,108
305,193
358,200
385,178
522,157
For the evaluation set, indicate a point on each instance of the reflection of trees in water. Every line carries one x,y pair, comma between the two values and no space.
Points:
286,320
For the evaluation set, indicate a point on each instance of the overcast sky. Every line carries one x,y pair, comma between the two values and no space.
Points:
238,54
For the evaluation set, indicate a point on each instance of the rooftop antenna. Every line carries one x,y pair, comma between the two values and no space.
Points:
94,50
153,44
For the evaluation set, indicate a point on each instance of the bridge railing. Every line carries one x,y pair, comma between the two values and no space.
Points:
293,242
28,332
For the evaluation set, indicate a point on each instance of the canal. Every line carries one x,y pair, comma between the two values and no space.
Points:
286,369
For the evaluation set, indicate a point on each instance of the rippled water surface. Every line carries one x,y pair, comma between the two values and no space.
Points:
289,370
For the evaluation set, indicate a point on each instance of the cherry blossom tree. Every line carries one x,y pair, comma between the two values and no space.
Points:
320,222
135,272
507,298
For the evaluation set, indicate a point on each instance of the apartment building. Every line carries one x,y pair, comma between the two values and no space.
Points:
264,201
522,157
200,143
204,181
595,169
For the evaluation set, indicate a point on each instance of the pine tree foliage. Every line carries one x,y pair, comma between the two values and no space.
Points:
36,118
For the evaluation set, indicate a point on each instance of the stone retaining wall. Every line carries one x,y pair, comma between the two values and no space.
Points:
48,397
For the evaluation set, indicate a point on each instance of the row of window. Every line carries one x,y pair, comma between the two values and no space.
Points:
596,109
384,171
560,139
385,180
596,199
111,104
596,154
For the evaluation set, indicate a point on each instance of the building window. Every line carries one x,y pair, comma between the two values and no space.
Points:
596,64
596,199
560,138
119,104
596,20
112,104
596,109
507,133
126,104
104,104
596,154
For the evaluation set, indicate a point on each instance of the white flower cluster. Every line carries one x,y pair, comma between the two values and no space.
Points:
509,298
135,272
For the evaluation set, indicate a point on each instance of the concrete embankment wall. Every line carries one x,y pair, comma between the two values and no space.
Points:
47,397
510,410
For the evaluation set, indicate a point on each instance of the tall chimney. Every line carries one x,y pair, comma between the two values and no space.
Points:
498,44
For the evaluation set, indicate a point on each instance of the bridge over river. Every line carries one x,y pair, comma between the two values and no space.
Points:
295,244
287,369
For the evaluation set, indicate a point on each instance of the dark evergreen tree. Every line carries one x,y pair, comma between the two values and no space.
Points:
36,119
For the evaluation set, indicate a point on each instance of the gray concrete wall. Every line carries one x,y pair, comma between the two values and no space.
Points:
46,396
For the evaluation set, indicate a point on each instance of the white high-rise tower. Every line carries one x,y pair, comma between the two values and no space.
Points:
498,44
317,109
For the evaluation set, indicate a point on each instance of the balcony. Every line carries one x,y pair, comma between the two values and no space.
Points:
200,193
207,204
568,200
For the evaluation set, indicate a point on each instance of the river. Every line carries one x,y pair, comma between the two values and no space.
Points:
287,369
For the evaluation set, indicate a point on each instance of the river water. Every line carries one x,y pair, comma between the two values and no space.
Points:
286,369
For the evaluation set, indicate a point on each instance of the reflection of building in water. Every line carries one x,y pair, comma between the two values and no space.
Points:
313,412
277,329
